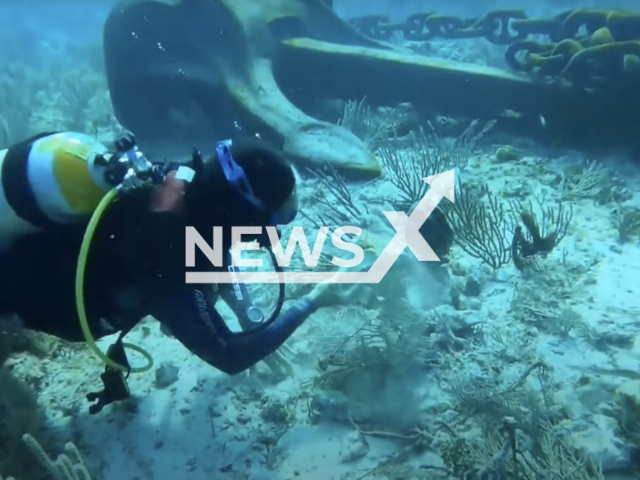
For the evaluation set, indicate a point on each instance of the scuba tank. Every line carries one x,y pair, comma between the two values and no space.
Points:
59,178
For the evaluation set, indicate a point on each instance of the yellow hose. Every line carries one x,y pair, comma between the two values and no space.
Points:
80,305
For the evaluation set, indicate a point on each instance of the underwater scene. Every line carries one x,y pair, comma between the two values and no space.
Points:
320,240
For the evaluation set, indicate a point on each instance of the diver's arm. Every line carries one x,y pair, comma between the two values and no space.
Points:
239,304
199,327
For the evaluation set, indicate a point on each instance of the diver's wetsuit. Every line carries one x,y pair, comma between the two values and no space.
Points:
135,268
199,327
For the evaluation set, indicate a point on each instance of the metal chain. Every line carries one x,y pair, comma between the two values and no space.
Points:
584,45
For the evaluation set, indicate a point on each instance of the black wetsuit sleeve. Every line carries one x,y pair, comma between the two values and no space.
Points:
200,328
239,306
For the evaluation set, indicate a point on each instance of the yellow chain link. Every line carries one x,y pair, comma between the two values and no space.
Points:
584,46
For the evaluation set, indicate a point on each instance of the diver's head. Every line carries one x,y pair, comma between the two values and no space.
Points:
254,180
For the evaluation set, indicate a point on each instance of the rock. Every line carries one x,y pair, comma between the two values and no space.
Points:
462,303
438,233
599,436
475,304
276,411
243,419
354,446
330,405
455,299
166,374
578,401
627,396
472,287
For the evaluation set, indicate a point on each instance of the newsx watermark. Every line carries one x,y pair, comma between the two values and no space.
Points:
407,234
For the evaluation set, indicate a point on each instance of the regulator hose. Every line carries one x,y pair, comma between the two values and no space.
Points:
79,289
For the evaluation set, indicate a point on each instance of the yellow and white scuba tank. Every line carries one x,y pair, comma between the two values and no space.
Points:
50,179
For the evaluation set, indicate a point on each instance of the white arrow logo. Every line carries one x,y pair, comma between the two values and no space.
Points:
407,235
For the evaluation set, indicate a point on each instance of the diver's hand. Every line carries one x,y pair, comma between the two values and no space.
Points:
125,142
278,363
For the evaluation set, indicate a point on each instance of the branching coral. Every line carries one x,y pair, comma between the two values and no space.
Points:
540,237
375,348
480,227
68,465
373,127
627,221
379,358
591,180
486,398
537,305
336,197
407,161
550,456
384,357
520,438
417,156
523,436
462,145
407,167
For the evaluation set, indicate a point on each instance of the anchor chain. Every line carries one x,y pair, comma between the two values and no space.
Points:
585,46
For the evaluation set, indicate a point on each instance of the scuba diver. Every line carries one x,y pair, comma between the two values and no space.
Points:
52,200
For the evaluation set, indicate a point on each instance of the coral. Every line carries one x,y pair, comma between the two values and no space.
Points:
523,438
407,167
480,228
339,201
627,396
557,459
417,441
627,221
373,127
540,237
464,143
381,351
551,456
590,180
68,465
539,306
14,339
277,411
383,358
408,160
485,398
19,413
507,154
